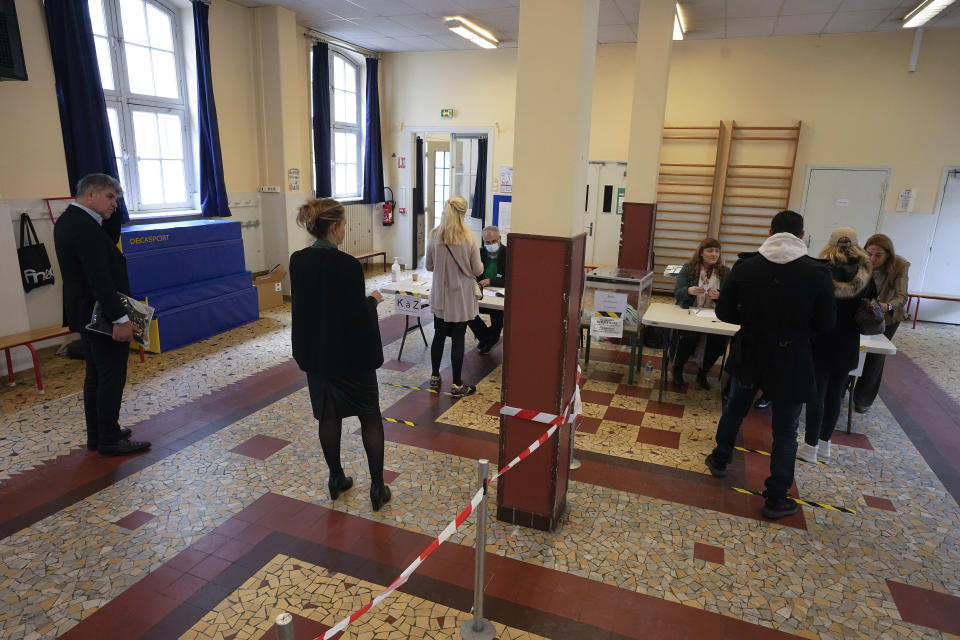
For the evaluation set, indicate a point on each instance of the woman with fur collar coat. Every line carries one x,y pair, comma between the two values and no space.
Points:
836,352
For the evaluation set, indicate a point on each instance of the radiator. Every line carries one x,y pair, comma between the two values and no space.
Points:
359,228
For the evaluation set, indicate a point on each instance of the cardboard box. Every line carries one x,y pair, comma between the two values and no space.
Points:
270,287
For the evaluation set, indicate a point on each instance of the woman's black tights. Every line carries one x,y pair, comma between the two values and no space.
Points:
371,431
456,331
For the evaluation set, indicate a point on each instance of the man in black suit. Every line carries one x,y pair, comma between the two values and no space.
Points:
494,257
780,297
94,270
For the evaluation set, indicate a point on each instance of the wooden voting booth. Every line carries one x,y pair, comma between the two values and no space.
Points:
544,287
636,235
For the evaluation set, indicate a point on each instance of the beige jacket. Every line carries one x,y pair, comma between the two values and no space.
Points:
893,290
451,294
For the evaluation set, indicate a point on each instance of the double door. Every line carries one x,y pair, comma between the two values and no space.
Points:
603,209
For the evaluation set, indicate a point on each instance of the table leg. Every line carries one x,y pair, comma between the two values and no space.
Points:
384,262
403,340
916,312
723,362
422,334
588,346
633,355
852,382
663,363
36,367
11,379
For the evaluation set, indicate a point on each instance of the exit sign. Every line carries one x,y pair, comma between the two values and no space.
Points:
448,113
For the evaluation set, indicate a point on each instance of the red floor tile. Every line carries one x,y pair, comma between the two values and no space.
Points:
627,416
397,365
494,409
389,476
858,440
659,437
707,552
605,376
596,397
302,628
209,568
925,607
587,424
183,587
609,355
879,503
634,392
135,520
665,408
260,446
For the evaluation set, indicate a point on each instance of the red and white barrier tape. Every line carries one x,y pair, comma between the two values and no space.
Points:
465,513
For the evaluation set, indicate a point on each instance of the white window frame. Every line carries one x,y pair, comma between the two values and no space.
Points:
442,178
345,127
126,102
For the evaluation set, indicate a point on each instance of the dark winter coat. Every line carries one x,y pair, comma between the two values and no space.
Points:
335,330
780,297
687,278
839,348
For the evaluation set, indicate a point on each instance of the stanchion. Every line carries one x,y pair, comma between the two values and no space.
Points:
574,463
478,628
284,626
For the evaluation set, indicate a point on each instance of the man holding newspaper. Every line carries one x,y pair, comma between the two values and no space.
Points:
94,274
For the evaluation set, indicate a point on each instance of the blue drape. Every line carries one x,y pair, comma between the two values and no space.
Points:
480,186
372,151
83,116
418,179
213,192
321,120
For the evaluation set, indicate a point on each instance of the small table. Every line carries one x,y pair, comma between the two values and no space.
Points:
363,255
949,297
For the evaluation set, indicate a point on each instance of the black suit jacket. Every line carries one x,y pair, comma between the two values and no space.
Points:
335,330
779,308
91,266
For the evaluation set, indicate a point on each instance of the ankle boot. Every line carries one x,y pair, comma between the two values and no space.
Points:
339,483
678,375
702,380
379,495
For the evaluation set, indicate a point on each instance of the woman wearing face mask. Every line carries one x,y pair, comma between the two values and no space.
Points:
698,285
890,275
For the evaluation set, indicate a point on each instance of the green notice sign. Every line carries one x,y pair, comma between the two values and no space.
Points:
448,113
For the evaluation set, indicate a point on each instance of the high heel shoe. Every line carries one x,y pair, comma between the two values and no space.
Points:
379,495
338,484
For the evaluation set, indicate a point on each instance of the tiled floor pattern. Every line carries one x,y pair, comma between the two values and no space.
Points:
830,580
925,346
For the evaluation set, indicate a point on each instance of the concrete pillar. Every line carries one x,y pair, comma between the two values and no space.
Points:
555,63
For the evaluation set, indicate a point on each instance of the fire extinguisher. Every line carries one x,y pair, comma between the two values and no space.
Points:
388,206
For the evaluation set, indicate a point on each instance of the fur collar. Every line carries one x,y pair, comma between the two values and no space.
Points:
857,276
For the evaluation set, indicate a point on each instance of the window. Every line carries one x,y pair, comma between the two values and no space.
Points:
345,122
140,56
441,181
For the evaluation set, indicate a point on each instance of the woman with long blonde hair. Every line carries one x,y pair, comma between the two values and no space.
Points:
454,258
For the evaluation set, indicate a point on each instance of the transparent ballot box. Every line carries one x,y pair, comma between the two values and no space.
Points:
632,286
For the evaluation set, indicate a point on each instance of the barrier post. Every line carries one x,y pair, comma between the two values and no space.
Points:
284,626
574,463
478,628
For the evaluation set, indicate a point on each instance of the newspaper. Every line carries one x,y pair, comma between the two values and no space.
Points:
139,313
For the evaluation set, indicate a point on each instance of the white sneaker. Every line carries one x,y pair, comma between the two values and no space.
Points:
823,451
807,453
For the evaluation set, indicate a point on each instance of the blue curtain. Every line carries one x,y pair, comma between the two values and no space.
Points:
418,208
372,151
321,120
480,187
83,117
213,192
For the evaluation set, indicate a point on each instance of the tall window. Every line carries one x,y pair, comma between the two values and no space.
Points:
347,135
140,56
441,181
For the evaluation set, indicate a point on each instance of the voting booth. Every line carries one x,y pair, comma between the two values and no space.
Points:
194,275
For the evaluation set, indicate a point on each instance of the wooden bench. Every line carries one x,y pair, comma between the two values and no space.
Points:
363,255
950,297
26,339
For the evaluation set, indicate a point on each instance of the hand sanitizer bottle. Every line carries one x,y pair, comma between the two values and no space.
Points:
395,269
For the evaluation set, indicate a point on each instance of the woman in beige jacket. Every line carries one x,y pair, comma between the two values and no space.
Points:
454,258
890,276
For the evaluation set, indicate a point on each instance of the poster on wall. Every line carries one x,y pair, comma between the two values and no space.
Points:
506,179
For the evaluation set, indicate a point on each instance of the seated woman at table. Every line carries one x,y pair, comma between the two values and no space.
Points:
836,352
698,285
890,275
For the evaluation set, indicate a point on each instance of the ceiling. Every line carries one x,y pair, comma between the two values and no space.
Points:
417,25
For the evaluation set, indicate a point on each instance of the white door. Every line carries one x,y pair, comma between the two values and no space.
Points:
612,179
463,160
590,208
842,198
944,264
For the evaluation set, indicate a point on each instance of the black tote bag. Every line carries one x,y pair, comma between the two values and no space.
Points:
35,268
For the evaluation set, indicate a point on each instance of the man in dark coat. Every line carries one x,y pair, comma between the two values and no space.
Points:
780,297
94,270
494,257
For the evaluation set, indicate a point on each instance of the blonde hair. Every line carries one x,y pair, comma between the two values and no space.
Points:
318,215
452,230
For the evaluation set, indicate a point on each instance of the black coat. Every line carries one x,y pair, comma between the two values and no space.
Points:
501,277
335,329
839,348
778,307
91,266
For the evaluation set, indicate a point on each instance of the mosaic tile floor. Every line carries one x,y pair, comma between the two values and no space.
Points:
175,544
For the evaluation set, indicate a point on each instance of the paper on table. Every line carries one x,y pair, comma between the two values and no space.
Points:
706,313
497,292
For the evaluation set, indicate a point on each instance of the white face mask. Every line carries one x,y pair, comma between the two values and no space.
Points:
492,248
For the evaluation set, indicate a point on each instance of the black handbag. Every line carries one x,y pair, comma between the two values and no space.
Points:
35,268
869,317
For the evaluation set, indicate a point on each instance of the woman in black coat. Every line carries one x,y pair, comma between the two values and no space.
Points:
837,352
336,341
698,285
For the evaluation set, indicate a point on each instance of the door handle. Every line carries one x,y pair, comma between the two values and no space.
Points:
590,232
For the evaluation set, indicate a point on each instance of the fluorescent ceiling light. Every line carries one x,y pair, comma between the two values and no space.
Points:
475,34
924,12
679,23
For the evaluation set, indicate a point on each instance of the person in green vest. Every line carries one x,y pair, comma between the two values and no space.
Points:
493,254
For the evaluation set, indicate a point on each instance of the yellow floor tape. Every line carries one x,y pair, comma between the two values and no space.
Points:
808,503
